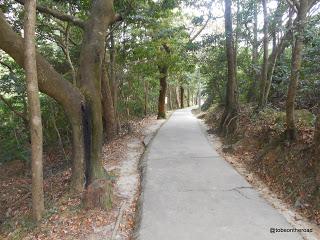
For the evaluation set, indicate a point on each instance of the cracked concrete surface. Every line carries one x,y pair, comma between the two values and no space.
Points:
190,192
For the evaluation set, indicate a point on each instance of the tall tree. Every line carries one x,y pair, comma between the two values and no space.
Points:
34,109
83,107
89,79
113,80
228,122
277,46
264,72
302,7
316,138
252,93
163,70
109,115
182,96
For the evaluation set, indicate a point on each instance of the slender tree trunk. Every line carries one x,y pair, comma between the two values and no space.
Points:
252,93
181,97
52,84
316,138
276,52
177,97
67,53
228,123
264,72
277,49
162,93
146,92
34,110
188,97
54,123
295,69
238,16
192,99
170,97
113,80
110,124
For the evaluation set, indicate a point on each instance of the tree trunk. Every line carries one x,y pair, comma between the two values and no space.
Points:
169,98
89,79
277,49
264,72
228,123
316,138
146,92
113,80
181,97
67,53
276,52
34,110
238,20
110,124
188,97
52,84
177,97
295,69
192,99
252,93
162,93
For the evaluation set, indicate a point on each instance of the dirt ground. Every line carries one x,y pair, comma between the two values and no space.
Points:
65,218
243,154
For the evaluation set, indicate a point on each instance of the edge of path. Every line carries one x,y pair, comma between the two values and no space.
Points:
142,173
291,216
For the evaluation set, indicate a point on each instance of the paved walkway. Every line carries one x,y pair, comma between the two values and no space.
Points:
190,192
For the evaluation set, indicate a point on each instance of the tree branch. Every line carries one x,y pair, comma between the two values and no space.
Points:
112,29
61,16
296,3
292,5
6,65
6,102
200,31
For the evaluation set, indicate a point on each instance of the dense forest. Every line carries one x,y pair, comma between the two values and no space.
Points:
101,66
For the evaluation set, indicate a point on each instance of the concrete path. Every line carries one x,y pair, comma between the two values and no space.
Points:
190,192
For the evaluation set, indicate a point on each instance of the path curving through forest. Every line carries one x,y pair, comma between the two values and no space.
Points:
190,192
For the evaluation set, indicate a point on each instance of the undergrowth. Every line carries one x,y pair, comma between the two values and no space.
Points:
289,169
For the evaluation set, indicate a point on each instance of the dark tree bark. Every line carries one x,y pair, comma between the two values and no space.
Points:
162,92
163,69
302,7
34,110
228,122
89,79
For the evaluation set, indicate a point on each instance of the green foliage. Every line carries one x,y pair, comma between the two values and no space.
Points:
215,76
13,136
